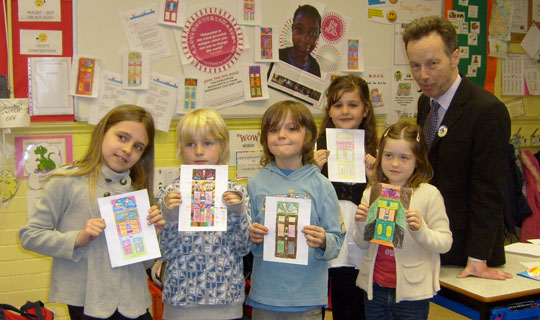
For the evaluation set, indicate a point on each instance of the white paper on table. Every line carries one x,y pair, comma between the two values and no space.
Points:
291,235
202,188
523,248
534,241
143,31
129,237
48,80
110,96
160,100
530,264
346,159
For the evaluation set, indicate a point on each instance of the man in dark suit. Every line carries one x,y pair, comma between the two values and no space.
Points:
468,148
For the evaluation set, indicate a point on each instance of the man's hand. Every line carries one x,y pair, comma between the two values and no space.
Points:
481,270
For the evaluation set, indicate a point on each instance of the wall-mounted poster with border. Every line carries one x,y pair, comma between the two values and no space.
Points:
42,154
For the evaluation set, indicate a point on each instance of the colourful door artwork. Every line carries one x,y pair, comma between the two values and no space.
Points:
128,226
85,76
203,197
190,96
249,10
134,69
352,55
286,229
255,81
170,14
266,43
385,223
345,155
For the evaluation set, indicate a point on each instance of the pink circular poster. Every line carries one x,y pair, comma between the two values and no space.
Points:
333,27
212,41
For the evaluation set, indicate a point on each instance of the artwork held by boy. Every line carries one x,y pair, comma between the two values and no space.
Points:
286,229
203,197
128,226
385,223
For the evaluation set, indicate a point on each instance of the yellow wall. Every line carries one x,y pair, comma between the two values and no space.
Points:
25,275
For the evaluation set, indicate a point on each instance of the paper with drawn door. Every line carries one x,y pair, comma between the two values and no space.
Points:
346,159
285,219
201,189
385,223
129,237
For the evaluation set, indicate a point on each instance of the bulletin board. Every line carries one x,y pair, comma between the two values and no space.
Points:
99,32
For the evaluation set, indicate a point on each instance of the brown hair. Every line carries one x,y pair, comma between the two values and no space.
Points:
423,26
301,116
142,173
350,83
410,133
207,122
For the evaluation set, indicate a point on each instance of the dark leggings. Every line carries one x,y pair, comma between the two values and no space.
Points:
77,313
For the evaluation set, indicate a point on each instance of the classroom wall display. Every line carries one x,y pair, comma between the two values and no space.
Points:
212,42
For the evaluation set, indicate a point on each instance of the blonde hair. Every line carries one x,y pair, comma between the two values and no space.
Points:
337,88
142,173
207,122
301,117
412,134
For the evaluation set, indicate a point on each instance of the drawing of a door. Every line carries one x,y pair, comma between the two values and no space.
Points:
249,10
170,13
190,97
266,43
352,55
286,229
255,81
134,69
345,155
128,226
85,77
203,197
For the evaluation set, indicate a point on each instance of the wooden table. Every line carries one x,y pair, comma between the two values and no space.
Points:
475,297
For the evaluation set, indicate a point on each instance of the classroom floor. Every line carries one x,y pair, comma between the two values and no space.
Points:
436,312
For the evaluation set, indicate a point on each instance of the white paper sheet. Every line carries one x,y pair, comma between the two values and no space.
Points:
40,42
110,96
297,83
523,248
14,113
144,33
201,189
160,100
285,219
48,80
224,89
512,75
171,12
39,10
346,159
129,237
531,42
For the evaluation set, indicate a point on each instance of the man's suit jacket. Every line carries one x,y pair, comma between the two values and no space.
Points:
469,156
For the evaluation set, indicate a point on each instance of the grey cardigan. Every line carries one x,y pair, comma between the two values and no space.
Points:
84,276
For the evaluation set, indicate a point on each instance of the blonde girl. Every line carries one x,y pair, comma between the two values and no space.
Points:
398,283
67,226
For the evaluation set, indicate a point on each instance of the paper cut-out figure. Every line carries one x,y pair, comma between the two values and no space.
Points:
128,226
286,229
385,223
203,198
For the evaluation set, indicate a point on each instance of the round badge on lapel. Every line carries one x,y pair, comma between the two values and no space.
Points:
442,131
